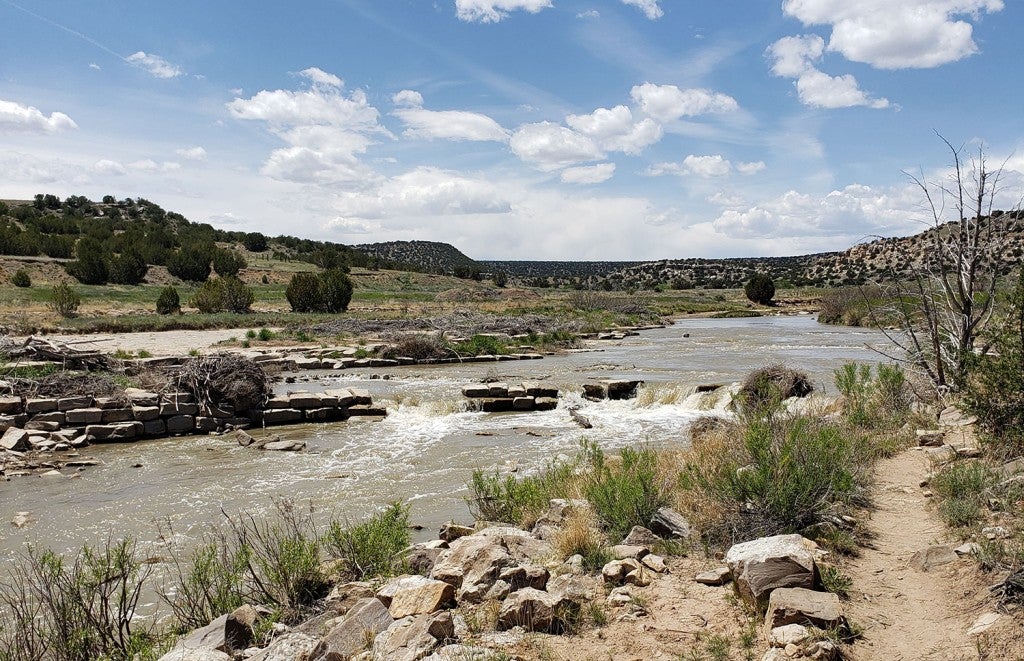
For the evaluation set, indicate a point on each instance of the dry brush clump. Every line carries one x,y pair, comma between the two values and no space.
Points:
769,386
224,378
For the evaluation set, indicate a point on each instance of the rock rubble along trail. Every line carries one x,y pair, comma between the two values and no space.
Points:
907,613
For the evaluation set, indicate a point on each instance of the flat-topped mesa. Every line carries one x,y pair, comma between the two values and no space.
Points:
613,389
497,397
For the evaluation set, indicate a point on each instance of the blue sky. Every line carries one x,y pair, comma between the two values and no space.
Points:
515,129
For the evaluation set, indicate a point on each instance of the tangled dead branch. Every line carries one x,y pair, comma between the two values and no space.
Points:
70,357
224,378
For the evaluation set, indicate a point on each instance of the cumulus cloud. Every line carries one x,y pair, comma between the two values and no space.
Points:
192,153
896,35
588,174
149,165
154,64
408,98
650,8
753,167
590,13
855,211
425,191
797,57
615,129
450,125
492,11
16,117
714,165
667,103
109,168
324,129
548,146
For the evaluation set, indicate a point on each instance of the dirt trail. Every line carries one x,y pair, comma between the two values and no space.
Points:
908,614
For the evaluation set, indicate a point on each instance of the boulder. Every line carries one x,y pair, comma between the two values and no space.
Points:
144,413
122,414
283,446
525,576
288,647
178,407
471,562
412,638
281,416
305,400
535,611
421,558
578,588
451,531
180,424
537,389
140,397
86,416
655,563
344,596
623,551
415,595
717,576
476,390
118,431
667,522
621,388
10,405
806,607
465,653
40,405
14,439
523,403
521,545
640,536
760,566
789,634
68,403
243,438
224,636
345,639
930,437
545,404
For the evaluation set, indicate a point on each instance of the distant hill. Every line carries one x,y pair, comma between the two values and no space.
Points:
560,270
430,256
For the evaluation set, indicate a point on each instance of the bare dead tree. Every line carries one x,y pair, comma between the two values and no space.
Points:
941,303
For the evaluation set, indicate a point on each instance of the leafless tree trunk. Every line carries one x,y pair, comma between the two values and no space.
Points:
941,304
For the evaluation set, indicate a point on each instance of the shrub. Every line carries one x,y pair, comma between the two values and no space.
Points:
760,289
127,269
168,301
873,401
626,495
254,242
227,262
417,345
21,279
208,585
580,535
191,264
90,265
961,488
520,501
335,290
64,300
372,548
303,292
223,294
328,291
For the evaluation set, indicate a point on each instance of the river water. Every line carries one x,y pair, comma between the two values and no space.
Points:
426,449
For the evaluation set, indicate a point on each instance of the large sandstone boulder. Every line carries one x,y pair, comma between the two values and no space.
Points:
806,607
217,640
535,611
763,565
412,638
367,618
288,647
415,595
472,563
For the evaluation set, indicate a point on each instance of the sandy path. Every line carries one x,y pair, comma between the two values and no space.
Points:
907,614
163,343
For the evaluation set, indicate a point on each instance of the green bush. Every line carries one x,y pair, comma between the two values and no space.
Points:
168,301
519,501
227,262
127,269
961,488
21,279
208,585
191,264
760,289
994,390
303,292
64,300
373,548
481,345
223,295
328,291
873,401
626,495
90,265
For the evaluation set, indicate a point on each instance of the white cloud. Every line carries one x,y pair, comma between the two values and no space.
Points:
650,8
321,78
615,129
109,168
588,174
408,98
450,125
16,117
492,11
723,199
154,64
796,57
149,165
425,191
714,165
324,130
548,146
752,167
896,35
192,153
667,103
93,65
855,211
590,13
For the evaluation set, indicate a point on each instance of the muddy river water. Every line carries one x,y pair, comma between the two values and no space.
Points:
426,449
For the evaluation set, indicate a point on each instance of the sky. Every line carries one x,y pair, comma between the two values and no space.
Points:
516,129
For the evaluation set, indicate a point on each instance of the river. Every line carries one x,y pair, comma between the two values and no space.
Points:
426,449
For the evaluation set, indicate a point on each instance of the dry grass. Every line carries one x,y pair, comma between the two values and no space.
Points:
579,534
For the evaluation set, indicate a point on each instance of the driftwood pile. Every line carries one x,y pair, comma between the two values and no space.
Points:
224,378
69,356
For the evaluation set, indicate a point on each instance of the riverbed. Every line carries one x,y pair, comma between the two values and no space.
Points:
424,452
